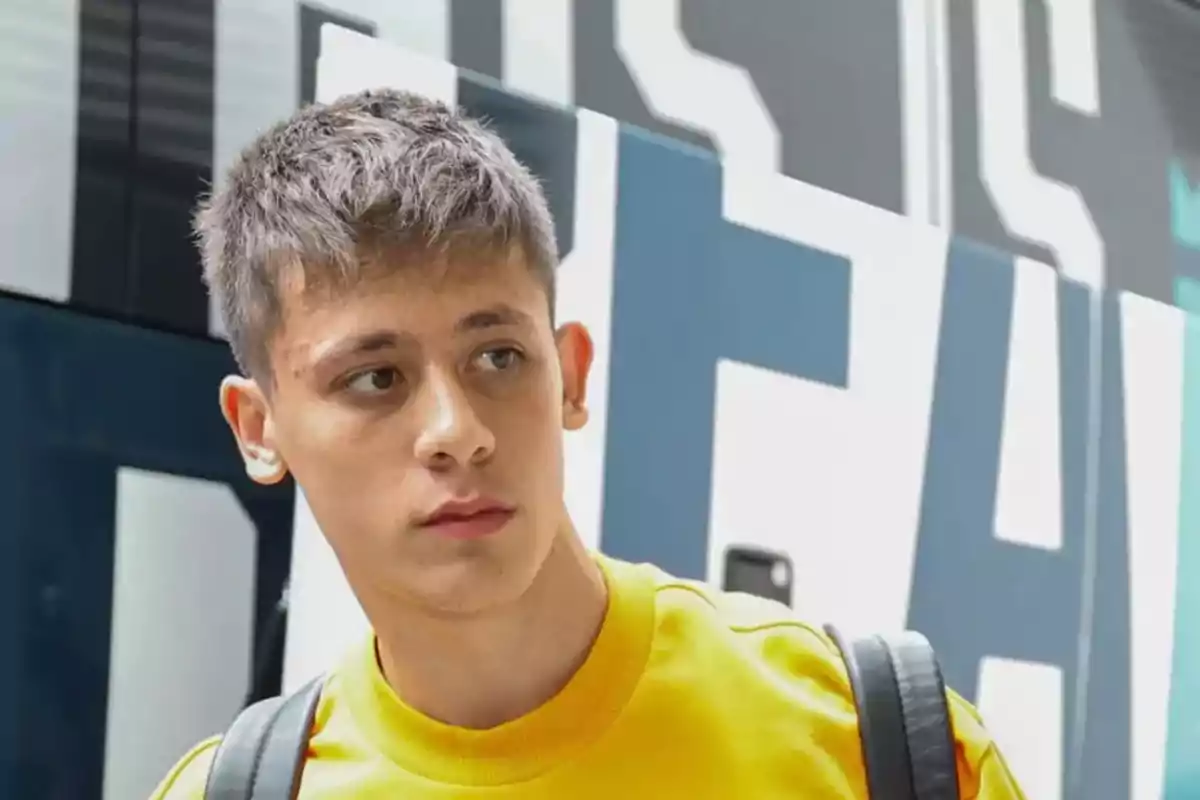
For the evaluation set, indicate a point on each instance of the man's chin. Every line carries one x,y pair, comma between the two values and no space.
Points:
470,588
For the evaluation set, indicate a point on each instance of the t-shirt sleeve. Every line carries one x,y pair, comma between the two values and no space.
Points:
186,779
982,772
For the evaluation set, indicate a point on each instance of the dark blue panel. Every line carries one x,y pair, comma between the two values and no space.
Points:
665,337
784,306
79,398
66,569
104,387
14,483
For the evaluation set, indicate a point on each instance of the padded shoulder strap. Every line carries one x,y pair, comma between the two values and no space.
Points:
261,756
926,717
903,717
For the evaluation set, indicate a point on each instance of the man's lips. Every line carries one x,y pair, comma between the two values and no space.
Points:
469,519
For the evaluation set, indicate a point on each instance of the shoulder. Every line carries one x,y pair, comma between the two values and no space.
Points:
798,664
982,770
186,779
752,625
771,652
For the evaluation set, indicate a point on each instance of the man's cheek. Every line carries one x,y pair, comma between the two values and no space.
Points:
527,425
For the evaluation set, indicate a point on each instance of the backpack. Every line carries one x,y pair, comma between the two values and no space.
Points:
903,719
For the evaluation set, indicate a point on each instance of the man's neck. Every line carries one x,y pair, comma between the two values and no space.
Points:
481,673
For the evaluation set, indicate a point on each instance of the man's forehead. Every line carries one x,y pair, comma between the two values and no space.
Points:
407,302
444,271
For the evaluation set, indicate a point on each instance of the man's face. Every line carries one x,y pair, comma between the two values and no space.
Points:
421,411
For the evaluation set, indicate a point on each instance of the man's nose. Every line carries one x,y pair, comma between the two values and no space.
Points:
451,434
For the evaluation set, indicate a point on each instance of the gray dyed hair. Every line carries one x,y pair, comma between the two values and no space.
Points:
378,168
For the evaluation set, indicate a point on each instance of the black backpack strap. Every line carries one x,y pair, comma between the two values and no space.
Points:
926,717
903,717
261,756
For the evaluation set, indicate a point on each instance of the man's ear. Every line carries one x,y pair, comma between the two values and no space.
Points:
575,352
249,416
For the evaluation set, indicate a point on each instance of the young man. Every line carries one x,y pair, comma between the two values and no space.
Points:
385,268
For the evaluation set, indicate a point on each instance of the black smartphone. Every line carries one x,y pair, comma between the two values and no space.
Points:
759,572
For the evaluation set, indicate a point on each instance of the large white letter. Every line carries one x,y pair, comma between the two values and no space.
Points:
584,293
1152,339
539,49
694,89
1031,206
182,623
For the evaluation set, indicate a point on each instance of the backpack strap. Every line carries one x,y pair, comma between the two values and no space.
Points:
903,716
261,756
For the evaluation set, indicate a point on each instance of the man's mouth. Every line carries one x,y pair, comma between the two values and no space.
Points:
468,519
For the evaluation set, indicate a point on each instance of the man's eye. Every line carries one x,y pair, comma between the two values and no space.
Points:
375,381
499,359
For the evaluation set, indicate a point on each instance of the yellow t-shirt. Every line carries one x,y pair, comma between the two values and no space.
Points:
688,693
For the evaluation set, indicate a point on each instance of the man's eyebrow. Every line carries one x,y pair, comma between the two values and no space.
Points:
491,317
371,342
375,341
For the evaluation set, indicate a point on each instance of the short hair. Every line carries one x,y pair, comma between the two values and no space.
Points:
377,168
